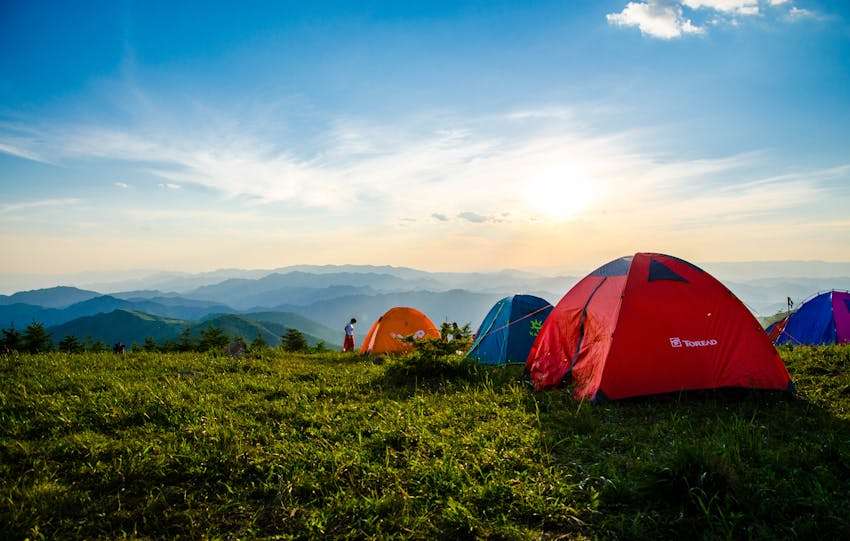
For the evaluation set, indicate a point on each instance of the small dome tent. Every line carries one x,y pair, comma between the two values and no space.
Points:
507,332
383,336
652,324
775,329
823,319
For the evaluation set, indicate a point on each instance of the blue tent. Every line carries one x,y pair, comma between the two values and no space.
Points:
824,319
509,329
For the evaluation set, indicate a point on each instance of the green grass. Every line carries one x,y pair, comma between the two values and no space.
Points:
165,445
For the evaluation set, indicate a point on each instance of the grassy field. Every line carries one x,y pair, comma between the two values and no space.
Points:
161,445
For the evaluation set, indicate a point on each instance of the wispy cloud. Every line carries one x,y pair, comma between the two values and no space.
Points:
20,152
31,205
122,185
473,217
797,14
474,169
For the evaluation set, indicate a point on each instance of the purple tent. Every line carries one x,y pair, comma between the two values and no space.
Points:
824,319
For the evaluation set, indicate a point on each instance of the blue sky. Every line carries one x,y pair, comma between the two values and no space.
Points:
445,136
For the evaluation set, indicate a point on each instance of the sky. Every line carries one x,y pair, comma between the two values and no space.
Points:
438,135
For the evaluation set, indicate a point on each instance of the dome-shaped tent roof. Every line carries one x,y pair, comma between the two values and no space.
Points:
823,319
383,336
653,324
507,332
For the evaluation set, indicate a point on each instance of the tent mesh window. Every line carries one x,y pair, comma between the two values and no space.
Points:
660,271
618,267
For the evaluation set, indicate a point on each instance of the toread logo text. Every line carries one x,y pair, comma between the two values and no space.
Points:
681,342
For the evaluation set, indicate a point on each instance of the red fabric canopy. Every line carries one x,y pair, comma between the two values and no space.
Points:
653,324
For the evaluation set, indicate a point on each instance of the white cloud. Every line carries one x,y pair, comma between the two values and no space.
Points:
20,152
433,168
656,19
30,205
122,185
796,14
473,217
778,2
738,7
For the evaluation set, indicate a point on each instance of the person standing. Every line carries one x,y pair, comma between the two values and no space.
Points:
348,343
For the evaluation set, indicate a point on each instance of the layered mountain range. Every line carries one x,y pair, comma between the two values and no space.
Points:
317,300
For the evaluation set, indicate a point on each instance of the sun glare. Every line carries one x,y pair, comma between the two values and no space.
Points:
560,194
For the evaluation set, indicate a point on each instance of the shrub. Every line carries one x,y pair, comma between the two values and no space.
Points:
213,339
70,344
259,344
11,340
36,339
294,340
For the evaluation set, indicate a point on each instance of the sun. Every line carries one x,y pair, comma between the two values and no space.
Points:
560,194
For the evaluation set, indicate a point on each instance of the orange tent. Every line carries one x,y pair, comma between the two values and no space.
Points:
396,323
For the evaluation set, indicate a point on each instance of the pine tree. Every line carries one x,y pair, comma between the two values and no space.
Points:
96,347
259,343
213,338
185,341
150,344
11,340
36,338
70,344
294,340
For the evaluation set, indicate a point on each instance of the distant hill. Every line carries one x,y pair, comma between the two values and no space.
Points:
53,297
120,326
296,295
234,291
270,331
456,305
288,320
21,315
130,326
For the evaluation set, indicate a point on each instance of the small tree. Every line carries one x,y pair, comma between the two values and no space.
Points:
320,347
70,344
259,343
96,347
185,341
213,338
294,340
150,344
11,340
36,338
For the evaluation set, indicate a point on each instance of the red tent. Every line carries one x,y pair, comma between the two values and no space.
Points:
652,324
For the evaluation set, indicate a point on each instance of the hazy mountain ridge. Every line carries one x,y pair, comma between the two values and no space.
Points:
130,326
52,297
328,295
20,315
453,305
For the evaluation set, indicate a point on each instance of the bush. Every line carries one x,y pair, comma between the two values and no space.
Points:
259,344
70,344
294,340
36,339
11,340
436,358
213,339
